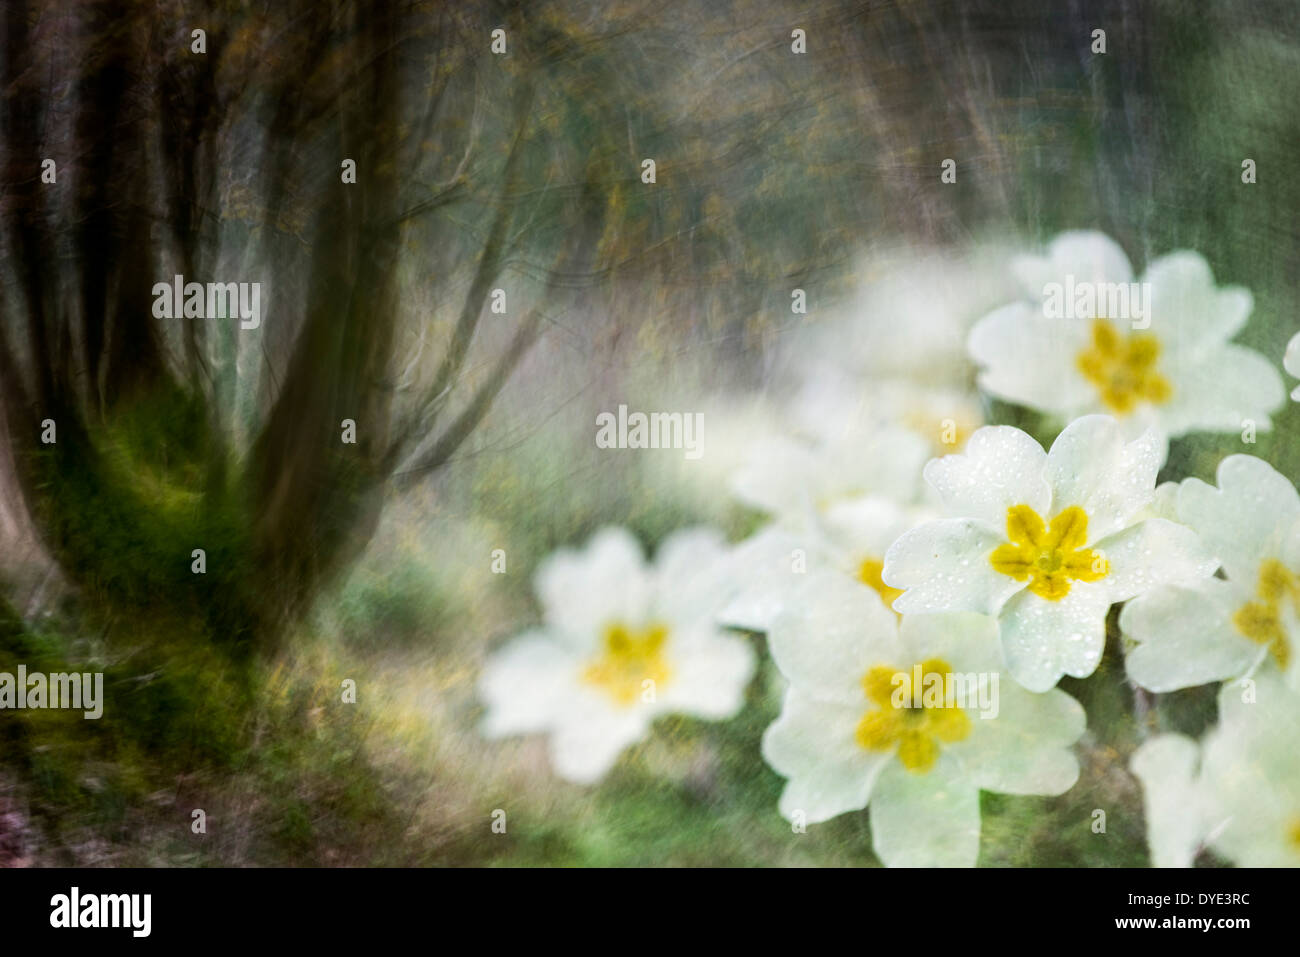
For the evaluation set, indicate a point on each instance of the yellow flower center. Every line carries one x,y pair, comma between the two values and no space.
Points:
1263,621
629,658
1293,833
1049,557
916,731
1123,368
869,574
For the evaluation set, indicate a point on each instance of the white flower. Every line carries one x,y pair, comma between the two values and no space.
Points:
910,314
842,487
1291,362
1172,368
1214,629
622,643
1046,542
849,537
1239,792
1173,805
833,404
794,479
850,733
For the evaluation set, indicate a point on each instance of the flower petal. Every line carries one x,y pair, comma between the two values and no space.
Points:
967,641
1186,636
1188,313
1249,517
1165,502
584,748
866,527
1151,553
945,566
812,743
1031,360
884,460
1000,467
833,630
523,685
1043,640
1024,749
711,670
583,590
765,566
1252,769
1090,465
939,293
1087,255
1221,390
925,820
1166,766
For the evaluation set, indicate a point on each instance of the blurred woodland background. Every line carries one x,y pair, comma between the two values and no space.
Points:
521,172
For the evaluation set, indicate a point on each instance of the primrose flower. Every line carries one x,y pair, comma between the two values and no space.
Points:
841,492
1214,629
1238,793
622,644
1045,542
910,313
832,402
1153,353
909,720
794,479
849,537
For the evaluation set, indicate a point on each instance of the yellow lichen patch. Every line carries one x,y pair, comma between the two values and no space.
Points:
1262,621
1048,557
869,574
916,730
1124,368
629,658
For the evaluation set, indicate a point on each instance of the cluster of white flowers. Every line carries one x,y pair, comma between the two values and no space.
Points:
1164,364
924,580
